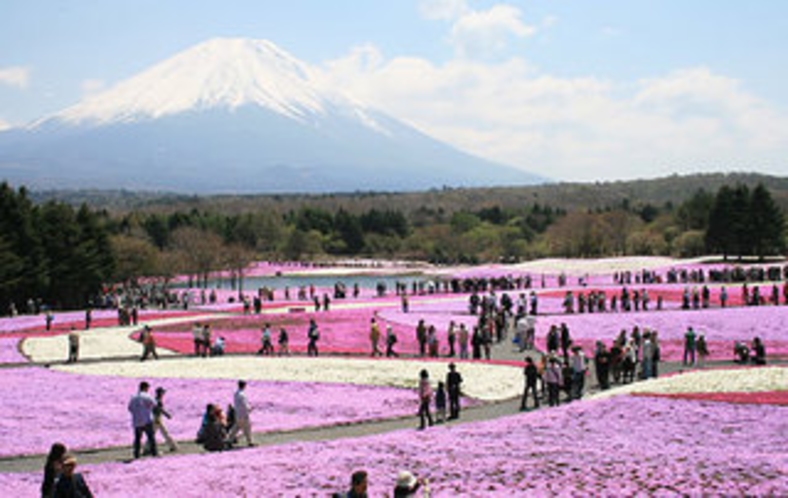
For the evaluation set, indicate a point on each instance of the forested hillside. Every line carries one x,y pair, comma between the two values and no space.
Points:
63,252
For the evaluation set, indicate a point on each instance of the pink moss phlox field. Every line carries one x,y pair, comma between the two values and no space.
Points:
752,398
721,327
617,447
42,406
9,351
341,330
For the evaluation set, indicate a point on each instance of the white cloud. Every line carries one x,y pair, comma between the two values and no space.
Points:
4,125
443,9
583,128
15,76
92,86
479,33
485,33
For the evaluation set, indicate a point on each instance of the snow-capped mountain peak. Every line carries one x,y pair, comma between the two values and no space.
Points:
234,115
220,72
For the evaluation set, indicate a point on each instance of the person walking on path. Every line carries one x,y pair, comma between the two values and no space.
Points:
141,409
703,350
689,347
463,337
284,342
197,338
313,334
391,340
647,354
451,337
578,363
440,403
242,412
531,374
425,396
206,340
554,379
148,344
73,346
266,341
421,337
453,387
374,337
159,412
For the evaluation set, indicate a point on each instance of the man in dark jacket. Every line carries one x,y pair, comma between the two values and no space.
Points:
531,375
453,383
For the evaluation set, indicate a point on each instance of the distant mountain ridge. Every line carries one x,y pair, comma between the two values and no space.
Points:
673,189
235,115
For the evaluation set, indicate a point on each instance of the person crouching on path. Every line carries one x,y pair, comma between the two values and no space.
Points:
158,421
242,411
425,396
141,409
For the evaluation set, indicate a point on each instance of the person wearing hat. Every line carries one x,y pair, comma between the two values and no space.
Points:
408,486
71,484
158,421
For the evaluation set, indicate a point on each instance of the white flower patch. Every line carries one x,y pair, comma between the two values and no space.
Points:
99,343
760,379
480,381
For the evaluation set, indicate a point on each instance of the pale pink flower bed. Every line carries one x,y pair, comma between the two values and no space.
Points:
42,406
347,330
721,327
587,448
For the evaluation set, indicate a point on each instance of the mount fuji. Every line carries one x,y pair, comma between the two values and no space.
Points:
240,116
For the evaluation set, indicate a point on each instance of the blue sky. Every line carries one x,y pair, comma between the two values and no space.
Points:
572,89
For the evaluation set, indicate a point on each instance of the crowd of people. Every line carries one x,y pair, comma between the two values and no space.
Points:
562,367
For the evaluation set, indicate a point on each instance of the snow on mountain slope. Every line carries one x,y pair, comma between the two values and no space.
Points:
221,72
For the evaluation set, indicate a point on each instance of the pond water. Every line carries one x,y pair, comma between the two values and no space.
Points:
319,281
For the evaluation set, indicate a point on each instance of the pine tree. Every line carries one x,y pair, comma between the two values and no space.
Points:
719,236
767,223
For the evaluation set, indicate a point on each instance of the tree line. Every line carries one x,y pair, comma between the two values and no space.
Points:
51,252
63,254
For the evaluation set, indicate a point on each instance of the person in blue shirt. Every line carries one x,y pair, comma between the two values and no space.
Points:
141,408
